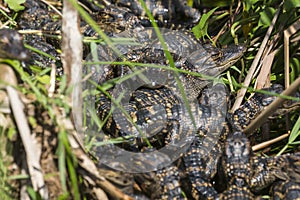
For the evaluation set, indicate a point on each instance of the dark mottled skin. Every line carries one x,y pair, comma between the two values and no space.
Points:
236,166
11,45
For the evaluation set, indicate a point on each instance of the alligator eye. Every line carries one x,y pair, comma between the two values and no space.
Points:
217,55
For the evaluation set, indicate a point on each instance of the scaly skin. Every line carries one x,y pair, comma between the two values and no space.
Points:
281,172
236,164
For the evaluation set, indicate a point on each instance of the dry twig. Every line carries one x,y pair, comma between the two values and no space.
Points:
90,172
265,71
287,34
259,120
72,58
242,91
269,142
31,149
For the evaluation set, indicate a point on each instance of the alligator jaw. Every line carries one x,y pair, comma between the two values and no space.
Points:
213,61
229,56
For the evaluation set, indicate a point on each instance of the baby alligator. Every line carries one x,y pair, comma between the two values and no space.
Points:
154,102
282,173
247,174
236,165
201,160
168,97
